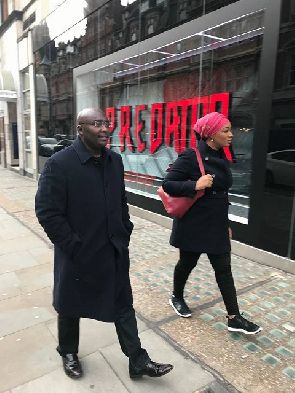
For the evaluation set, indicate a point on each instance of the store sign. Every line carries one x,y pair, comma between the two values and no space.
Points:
170,122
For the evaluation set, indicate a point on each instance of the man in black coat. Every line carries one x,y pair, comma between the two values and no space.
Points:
81,204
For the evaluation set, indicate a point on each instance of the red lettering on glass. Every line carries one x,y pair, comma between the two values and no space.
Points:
156,127
180,117
125,122
183,104
200,107
110,115
139,125
172,125
223,99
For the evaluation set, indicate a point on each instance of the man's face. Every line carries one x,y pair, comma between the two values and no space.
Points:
94,131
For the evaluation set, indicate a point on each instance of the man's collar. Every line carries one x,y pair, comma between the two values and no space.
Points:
83,153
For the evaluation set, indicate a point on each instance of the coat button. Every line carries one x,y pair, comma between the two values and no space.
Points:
213,192
206,158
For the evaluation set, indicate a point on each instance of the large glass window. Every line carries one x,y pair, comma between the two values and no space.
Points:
25,78
93,29
123,23
279,194
154,98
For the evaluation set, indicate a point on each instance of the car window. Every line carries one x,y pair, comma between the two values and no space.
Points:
291,157
287,155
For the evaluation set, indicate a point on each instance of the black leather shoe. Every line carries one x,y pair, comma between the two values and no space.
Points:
151,369
72,365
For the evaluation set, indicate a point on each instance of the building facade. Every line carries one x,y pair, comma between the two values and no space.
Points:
155,66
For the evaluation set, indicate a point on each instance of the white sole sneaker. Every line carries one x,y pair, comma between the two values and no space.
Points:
177,312
244,331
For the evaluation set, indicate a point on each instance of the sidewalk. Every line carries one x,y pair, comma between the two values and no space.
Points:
206,357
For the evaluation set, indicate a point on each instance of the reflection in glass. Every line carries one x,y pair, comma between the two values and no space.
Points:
278,206
162,89
154,98
27,121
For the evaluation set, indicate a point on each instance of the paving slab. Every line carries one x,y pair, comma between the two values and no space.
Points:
186,377
35,278
21,312
99,378
9,285
21,244
11,229
43,251
13,261
26,355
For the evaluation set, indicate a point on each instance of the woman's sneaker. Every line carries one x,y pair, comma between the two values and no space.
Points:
180,307
241,324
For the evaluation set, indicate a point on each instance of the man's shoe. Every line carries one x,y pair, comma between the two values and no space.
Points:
72,365
241,324
151,369
180,307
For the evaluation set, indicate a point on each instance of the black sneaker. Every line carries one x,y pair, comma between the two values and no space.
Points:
241,324
180,307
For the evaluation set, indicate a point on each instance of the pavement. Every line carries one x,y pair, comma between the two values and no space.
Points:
206,357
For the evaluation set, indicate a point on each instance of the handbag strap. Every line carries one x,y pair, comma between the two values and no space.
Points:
199,159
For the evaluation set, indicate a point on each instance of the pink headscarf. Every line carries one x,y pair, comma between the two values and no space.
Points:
210,124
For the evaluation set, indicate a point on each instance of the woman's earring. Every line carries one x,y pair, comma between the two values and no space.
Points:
212,140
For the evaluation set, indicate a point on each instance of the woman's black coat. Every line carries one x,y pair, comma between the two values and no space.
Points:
83,209
204,228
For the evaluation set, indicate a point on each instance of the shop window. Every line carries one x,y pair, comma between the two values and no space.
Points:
26,91
26,117
154,98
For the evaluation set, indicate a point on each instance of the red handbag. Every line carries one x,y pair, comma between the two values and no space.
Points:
178,206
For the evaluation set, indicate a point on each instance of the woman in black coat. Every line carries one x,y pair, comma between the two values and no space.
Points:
205,227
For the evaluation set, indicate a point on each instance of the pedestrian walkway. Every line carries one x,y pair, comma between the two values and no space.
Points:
206,357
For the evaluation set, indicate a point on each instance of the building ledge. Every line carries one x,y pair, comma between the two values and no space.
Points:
14,16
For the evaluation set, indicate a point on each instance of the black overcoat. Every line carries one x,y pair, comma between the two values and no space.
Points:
81,204
204,228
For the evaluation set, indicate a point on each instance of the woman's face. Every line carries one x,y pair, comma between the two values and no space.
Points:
223,137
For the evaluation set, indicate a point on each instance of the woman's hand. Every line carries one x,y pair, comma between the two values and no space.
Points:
205,181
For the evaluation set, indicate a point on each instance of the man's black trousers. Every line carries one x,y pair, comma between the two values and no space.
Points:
126,327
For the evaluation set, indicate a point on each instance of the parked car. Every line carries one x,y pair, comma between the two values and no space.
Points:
241,173
280,167
46,146
62,144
